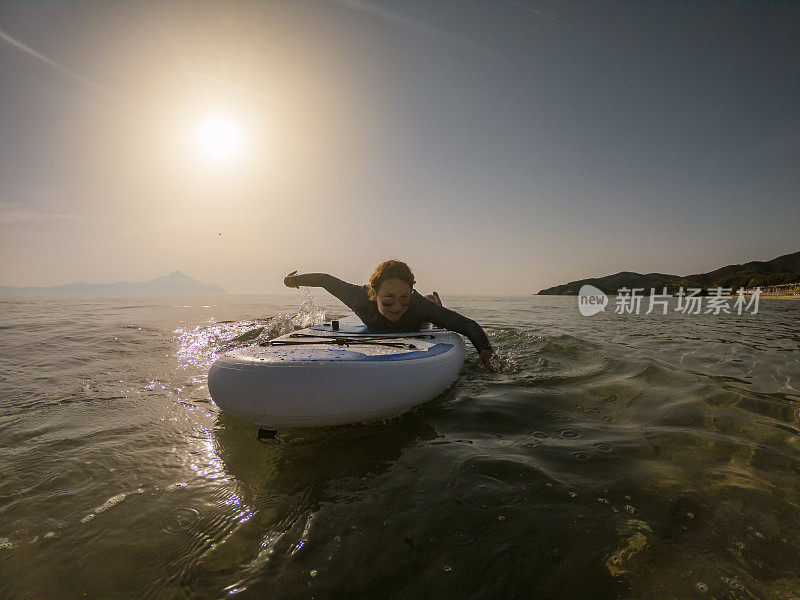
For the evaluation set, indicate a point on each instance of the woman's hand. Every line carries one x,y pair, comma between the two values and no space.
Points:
491,362
288,281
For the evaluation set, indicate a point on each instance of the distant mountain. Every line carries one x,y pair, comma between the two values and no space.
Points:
784,269
174,283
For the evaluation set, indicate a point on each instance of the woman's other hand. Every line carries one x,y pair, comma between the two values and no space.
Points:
288,281
491,362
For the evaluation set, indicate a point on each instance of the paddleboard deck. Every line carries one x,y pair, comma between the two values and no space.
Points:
322,376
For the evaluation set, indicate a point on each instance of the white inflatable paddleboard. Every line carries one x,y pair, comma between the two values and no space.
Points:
322,376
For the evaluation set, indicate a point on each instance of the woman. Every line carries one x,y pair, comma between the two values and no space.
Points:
390,303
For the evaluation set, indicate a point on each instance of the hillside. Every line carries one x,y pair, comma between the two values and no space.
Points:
784,269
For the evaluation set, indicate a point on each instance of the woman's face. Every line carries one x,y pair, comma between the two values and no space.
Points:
393,298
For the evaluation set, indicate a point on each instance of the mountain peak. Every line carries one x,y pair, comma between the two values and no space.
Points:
174,283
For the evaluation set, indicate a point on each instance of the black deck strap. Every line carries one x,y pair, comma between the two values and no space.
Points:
299,339
337,342
365,336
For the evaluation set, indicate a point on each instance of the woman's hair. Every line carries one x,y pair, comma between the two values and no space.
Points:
390,269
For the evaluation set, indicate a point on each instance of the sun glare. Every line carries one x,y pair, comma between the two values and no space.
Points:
219,138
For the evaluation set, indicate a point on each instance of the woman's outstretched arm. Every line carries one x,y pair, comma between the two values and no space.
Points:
450,319
351,295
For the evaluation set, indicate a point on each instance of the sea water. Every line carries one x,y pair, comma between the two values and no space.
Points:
618,456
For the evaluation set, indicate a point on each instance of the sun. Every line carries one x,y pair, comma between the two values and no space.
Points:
219,138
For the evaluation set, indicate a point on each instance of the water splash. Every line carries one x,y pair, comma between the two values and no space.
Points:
308,314
199,345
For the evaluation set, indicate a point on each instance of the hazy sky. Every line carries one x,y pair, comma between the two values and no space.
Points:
498,147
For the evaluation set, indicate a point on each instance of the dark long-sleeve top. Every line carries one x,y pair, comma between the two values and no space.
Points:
421,310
